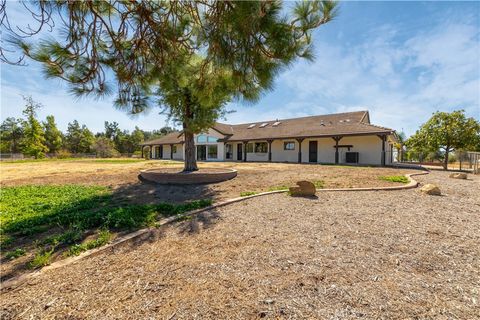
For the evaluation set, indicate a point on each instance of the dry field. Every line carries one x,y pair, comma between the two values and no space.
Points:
345,255
123,177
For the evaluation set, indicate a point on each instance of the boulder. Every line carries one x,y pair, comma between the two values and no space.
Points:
457,175
304,189
431,189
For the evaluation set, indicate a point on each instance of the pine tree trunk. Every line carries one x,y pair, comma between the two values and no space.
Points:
190,159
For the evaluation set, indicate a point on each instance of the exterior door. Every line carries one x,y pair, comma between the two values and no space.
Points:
312,151
239,152
202,152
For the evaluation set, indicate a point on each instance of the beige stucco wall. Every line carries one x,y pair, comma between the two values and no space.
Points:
280,155
220,145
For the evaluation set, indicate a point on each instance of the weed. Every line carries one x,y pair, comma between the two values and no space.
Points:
15,253
41,259
247,193
400,179
319,184
102,239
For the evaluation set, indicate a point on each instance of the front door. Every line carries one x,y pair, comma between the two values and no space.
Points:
239,151
202,153
312,151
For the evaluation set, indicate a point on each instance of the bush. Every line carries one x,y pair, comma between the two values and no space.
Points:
400,179
105,148
64,154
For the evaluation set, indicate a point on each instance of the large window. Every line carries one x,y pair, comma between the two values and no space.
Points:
290,145
212,152
174,149
212,139
261,147
249,147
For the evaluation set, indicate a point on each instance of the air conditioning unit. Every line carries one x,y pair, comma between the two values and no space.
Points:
351,157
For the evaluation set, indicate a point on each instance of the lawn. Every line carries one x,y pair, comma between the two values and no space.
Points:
42,223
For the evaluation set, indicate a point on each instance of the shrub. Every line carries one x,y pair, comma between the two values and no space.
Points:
400,179
64,154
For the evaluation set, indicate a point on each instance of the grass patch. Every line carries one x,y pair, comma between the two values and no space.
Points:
41,259
399,179
319,184
102,239
68,213
278,188
247,193
15,253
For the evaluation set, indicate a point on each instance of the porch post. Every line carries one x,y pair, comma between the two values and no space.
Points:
337,139
151,152
142,151
270,150
299,150
171,152
245,151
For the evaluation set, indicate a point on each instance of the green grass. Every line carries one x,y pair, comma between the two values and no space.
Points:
102,239
41,259
319,184
277,188
247,193
400,179
15,253
68,213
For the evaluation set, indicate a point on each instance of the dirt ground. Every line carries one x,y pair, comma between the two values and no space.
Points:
255,177
344,255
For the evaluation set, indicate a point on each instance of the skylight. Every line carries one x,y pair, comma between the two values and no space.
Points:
251,126
276,123
263,125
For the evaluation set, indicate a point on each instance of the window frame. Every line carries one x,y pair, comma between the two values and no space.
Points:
262,146
250,147
208,151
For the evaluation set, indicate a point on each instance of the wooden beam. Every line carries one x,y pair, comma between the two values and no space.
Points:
270,150
300,149
245,151
171,152
337,139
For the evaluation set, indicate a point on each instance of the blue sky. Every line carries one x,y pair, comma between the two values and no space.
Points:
402,61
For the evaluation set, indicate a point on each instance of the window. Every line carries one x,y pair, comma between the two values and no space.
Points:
261,147
211,139
229,151
202,138
212,152
249,147
174,149
290,145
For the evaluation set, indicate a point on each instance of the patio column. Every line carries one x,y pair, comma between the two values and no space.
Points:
299,150
270,150
337,139
171,152
245,151
383,138
151,152
142,151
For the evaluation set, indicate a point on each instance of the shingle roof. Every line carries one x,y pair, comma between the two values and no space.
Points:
349,123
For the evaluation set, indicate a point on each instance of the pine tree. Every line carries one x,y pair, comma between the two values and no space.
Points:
53,136
33,143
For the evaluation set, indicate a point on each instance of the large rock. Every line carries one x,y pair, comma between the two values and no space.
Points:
431,189
457,175
304,189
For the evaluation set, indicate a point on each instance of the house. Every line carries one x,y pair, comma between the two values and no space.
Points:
334,138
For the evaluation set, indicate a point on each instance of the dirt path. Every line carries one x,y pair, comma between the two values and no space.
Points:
345,255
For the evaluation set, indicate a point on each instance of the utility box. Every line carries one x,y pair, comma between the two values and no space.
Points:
351,157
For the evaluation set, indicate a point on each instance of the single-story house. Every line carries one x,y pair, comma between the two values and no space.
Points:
342,138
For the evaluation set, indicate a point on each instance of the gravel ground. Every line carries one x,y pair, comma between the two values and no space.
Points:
345,255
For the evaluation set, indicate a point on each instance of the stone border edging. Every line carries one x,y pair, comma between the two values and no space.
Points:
16,282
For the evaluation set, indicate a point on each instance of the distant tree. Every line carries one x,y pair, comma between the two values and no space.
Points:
33,142
104,148
195,56
112,130
446,132
11,134
136,138
78,138
53,136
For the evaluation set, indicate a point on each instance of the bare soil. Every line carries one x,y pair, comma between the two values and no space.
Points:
254,177
344,255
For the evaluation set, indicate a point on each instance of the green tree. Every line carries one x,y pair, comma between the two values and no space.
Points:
33,143
79,139
53,136
104,148
136,138
11,134
446,132
194,56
